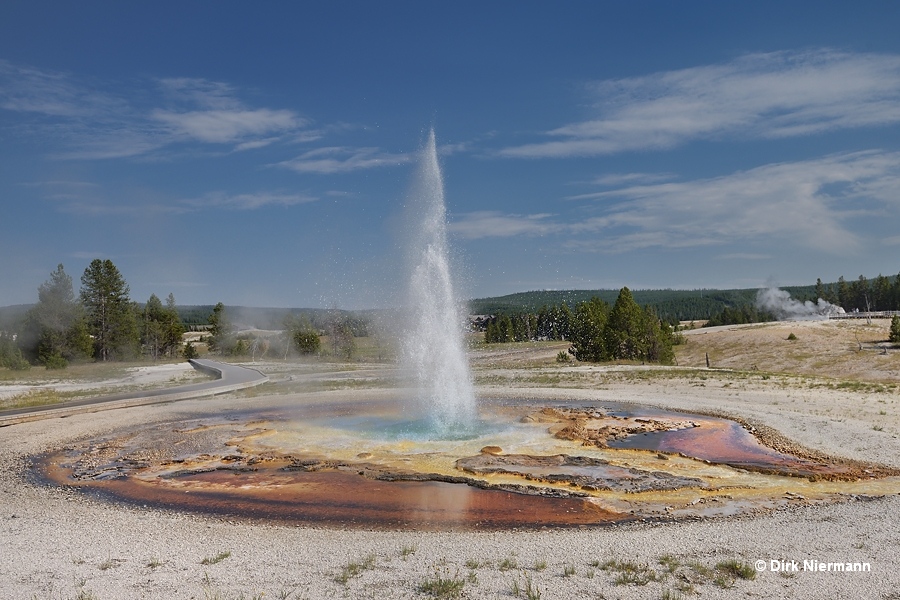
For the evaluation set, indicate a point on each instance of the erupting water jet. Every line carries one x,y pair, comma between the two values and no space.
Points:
433,346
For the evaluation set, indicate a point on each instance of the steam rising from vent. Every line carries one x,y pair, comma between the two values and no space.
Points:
780,303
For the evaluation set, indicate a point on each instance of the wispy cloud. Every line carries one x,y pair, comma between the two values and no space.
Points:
87,198
617,179
97,122
744,256
100,208
343,159
487,224
225,126
808,204
211,112
248,201
773,95
51,93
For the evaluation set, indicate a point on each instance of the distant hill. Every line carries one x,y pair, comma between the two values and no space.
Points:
12,316
250,317
242,317
682,305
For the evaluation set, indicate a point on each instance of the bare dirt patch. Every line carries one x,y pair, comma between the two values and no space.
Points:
839,349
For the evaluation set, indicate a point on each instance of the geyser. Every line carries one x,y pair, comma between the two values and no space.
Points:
433,349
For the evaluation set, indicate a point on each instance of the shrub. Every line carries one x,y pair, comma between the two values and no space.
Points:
55,361
189,351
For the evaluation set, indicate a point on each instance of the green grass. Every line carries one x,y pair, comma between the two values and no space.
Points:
508,564
109,563
529,590
355,569
442,586
736,568
630,573
669,563
212,560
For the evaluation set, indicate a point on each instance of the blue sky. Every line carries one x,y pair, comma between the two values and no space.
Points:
260,154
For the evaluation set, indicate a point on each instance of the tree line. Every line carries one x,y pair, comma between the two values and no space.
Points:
596,331
879,294
101,322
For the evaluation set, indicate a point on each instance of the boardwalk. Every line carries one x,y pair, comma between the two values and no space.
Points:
227,378
877,314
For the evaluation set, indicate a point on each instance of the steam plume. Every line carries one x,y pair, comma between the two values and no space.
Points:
785,308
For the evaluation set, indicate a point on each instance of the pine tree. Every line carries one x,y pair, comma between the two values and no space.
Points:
110,313
161,327
586,328
56,332
625,336
152,334
174,329
219,329
895,330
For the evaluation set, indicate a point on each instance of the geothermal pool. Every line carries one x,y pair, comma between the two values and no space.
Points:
522,464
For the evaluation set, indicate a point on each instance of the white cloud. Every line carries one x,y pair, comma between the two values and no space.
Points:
254,144
248,201
744,256
804,202
50,93
225,126
808,204
774,95
210,112
615,179
342,160
94,122
485,224
210,95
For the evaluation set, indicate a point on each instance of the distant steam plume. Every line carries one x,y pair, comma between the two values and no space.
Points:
780,303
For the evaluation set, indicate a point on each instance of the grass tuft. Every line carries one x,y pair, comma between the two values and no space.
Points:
507,564
355,569
212,560
443,586
736,568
